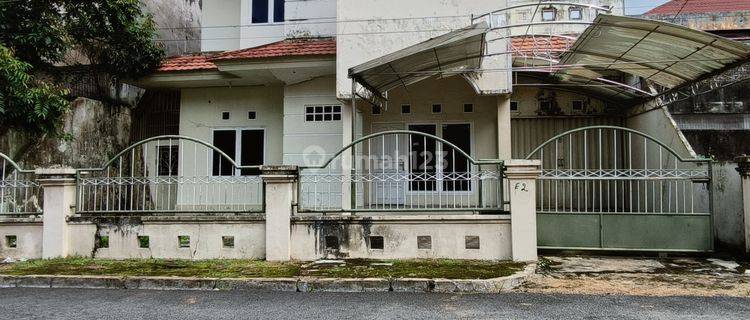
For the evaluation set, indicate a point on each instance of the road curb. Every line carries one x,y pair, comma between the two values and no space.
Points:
303,284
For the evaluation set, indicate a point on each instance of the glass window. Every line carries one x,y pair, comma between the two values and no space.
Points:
423,163
278,10
323,113
259,11
455,164
251,147
576,13
168,156
549,14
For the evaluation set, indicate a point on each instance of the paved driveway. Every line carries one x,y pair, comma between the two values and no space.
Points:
140,304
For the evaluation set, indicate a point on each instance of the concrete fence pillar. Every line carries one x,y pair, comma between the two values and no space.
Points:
59,203
279,182
522,175
743,167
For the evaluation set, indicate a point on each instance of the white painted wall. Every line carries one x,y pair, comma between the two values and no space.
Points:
227,24
400,237
369,29
524,15
201,108
28,240
309,143
220,20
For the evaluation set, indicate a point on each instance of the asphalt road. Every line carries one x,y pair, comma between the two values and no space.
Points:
141,304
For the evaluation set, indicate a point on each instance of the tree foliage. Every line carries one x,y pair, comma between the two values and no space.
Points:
114,36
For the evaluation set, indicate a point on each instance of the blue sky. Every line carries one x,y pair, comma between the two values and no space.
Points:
641,6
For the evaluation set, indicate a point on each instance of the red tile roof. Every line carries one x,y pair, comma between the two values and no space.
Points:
284,48
700,6
541,45
187,63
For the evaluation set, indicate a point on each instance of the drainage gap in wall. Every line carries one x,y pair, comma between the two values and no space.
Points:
103,242
11,241
377,243
184,241
227,241
424,242
472,242
332,242
144,242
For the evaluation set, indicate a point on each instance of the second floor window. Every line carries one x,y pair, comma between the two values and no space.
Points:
549,14
262,9
576,13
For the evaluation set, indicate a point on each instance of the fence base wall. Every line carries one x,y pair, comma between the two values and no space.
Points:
27,234
479,237
159,238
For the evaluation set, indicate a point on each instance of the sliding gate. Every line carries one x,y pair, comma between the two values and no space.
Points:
614,188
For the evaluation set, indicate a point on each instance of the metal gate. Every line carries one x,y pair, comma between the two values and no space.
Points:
401,171
614,188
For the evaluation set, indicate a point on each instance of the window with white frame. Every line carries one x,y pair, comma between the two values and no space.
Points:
549,14
575,13
322,113
261,10
245,146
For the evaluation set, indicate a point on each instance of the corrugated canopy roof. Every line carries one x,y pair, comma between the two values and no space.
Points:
451,52
667,54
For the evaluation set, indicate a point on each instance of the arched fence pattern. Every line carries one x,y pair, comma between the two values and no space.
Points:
20,193
618,170
610,179
402,171
170,174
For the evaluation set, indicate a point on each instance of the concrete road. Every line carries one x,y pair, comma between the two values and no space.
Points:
141,304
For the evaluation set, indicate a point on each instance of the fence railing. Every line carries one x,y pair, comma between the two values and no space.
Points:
606,169
20,193
170,174
402,171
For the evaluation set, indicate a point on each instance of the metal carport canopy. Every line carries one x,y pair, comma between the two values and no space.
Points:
667,54
449,53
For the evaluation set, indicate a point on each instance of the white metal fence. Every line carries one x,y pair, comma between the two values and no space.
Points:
170,174
606,169
402,171
20,193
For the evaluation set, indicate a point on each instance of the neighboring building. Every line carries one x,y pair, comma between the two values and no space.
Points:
715,115
295,82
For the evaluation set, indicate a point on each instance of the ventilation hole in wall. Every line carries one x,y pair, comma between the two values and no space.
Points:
11,241
251,115
332,242
424,242
472,242
225,115
103,242
405,108
184,241
437,108
377,243
227,241
144,242
468,108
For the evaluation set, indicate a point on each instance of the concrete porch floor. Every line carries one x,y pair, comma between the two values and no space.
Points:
679,276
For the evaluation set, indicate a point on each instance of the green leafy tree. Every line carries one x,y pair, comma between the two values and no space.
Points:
114,36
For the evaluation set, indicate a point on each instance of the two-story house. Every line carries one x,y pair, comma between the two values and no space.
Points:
392,106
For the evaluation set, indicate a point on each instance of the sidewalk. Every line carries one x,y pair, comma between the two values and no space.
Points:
640,276
355,275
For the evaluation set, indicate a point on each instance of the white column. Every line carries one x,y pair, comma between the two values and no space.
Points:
280,187
522,175
743,167
503,127
347,124
59,186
